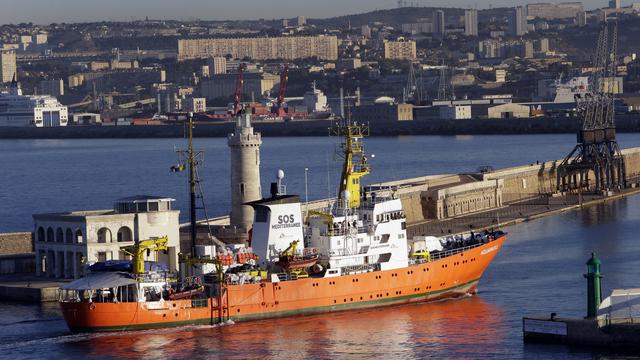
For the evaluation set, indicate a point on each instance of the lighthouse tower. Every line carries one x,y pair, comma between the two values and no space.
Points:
244,145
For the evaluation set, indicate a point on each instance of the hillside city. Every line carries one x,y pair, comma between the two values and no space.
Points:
409,63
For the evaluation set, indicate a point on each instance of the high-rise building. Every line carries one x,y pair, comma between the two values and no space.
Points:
438,23
301,20
244,146
581,18
544,45
285,23
217,65
400,50
286,48
471,22
614,4
8,66
366,31
527,49
518,21
53,87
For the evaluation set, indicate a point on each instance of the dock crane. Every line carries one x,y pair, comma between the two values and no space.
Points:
284,81
138,250
237,96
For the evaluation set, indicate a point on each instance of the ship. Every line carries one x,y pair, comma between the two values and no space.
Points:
21,110
354,254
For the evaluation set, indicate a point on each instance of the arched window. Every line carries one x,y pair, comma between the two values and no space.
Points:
124,234
41,237
50,235
104,235
59,235
79,236
69,236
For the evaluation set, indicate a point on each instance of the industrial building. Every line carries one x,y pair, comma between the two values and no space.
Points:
53,87
286,48
506,111
65,243
224,85
383,112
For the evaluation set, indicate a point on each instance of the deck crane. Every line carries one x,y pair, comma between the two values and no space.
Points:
239,85
284,80
138,250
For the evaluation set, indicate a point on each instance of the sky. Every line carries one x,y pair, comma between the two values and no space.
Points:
48,11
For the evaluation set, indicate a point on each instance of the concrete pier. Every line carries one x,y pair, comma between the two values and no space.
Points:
582,332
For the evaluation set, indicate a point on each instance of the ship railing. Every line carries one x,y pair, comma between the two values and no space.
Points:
437,255
339,252
446,253
359,269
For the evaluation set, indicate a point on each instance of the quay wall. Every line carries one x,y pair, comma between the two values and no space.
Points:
541,125
16,243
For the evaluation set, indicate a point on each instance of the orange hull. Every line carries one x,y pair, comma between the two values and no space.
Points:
449,277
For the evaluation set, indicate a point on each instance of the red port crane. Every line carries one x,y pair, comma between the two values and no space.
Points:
239,85
284,80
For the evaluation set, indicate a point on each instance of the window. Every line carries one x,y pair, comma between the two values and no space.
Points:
59,235
241,188
104,236
404,225
41,237
262,214
124,234
142,207
153,206
79,236
102,256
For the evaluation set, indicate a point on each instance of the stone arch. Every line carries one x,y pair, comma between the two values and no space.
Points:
104,235
79,236
41,236
50,237
69,236
59,235
124,234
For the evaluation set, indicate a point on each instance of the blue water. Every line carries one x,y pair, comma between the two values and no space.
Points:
538,271
40,176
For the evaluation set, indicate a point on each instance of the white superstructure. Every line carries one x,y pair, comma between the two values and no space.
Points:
315,101
17,109
563,92
373,235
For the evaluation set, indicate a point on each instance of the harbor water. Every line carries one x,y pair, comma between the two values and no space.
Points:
538,271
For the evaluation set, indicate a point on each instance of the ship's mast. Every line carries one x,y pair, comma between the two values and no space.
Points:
355,164
191,159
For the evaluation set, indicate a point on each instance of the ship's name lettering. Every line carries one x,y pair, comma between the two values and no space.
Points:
286,219
285,226
491,249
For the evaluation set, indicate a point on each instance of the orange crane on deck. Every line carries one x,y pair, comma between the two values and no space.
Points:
284,80
238,93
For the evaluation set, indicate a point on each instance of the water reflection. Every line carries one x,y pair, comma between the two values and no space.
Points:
461,328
